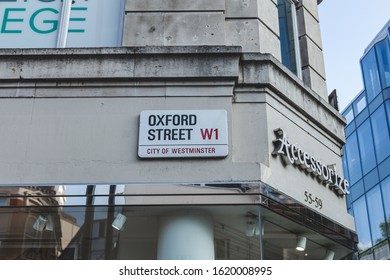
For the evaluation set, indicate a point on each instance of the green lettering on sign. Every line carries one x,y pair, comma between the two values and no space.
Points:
6,19
77,19
52,23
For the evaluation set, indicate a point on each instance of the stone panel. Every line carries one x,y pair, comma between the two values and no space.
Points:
316,82
312,55
309,26
265,10
174,5
143,30
253,36
311,6
269,42
244,32
174,29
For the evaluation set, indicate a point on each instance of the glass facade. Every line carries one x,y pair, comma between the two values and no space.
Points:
362,223
383,53
380,129
366,161
366,146
371,75
120,222
353,159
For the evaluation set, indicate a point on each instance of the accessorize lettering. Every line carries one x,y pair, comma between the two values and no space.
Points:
293,154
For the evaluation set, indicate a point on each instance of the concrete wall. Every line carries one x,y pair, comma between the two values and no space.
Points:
72,116
174,23
280,103
251,24
76,119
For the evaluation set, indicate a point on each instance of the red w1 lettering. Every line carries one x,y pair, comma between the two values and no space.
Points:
209,133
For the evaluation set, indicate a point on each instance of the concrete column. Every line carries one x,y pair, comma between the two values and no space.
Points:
186,236
313,67
253,25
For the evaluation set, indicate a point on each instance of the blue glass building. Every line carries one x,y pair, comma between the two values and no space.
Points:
366,159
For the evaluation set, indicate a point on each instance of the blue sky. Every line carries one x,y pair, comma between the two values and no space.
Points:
347,27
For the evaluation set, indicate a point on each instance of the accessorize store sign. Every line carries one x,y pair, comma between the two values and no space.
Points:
35,23
295,155
183,133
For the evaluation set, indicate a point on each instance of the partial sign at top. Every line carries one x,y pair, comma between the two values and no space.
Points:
35,23
183,133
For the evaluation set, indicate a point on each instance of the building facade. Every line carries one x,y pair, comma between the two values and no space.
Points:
367,156
170,130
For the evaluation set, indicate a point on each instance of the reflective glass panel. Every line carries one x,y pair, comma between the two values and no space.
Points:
366,147
362,224
345,167
357,190
348,115
140,233
381,133
288,36
353,158
376,215
386,200
383,52
157,223
371,75
360,104
387,103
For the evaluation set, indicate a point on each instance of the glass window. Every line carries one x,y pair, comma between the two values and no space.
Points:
357,190
289,36
353,159
3,202
377,218
37,226
349,115
360,104
370,75
386,199
146,233
387,103
383,52
362,224
366,146
381,133
345,167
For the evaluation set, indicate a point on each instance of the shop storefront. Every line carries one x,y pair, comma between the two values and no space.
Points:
236,221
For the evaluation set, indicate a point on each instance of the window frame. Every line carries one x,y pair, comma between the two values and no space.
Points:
370,72
292,20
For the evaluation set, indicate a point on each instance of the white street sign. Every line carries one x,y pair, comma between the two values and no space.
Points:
183,133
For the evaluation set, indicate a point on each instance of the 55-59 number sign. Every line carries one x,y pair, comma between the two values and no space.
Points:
313,200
